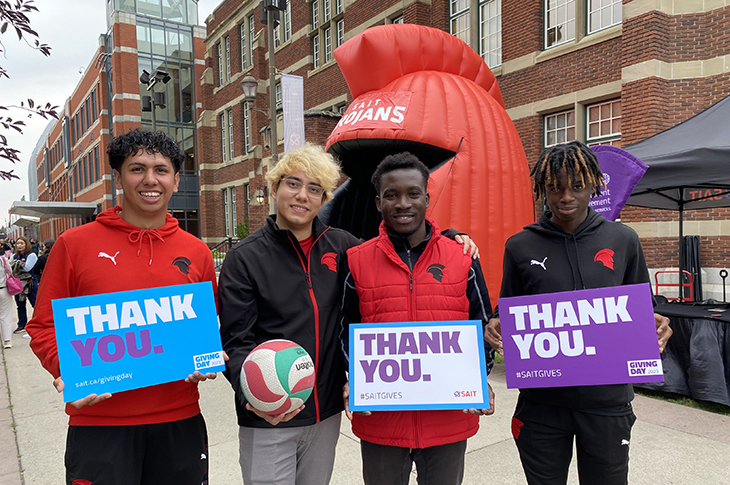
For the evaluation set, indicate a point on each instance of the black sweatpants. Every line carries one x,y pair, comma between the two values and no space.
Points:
174,453
391,465
544,436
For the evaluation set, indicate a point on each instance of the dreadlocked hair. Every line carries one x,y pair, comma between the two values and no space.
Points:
578,161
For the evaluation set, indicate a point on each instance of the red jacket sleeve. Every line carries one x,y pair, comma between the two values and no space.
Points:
58,282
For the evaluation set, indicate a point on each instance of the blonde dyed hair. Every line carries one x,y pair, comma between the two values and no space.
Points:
312,160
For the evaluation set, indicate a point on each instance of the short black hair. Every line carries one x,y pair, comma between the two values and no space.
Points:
130,143
403,160
579,162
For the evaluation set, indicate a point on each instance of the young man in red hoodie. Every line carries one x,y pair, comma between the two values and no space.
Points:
155,434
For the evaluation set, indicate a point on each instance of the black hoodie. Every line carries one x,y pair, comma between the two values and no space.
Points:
544,258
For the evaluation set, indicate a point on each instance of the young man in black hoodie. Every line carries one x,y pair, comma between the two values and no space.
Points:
557,254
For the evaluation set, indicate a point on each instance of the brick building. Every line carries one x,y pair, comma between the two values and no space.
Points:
73,178
599,71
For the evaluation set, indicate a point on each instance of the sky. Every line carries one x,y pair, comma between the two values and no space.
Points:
72,29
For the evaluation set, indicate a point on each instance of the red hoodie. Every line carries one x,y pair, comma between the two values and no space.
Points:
106,256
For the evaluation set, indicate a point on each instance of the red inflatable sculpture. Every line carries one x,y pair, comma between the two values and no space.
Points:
422,90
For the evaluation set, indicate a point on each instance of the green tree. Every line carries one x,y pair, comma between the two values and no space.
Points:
14,17
242,228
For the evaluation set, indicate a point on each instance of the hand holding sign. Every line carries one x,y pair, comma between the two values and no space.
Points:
89,400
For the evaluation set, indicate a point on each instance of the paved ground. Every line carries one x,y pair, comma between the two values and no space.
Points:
671,444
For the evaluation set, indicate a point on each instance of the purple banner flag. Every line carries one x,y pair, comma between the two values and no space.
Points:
621,172
580,338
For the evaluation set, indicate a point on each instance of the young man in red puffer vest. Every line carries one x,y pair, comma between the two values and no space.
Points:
393,278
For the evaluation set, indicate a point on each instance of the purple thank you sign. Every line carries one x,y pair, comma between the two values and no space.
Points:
621,172
580,338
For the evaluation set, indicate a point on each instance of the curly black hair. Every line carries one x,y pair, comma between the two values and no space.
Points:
403,160
130,143
579,162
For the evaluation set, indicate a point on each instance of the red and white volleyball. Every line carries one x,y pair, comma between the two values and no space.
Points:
277,377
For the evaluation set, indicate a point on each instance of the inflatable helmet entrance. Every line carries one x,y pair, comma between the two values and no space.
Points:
421,90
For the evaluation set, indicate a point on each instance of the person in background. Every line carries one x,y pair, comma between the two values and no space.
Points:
22,263
6,304
568,235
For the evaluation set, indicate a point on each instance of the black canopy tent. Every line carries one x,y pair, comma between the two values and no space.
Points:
689,166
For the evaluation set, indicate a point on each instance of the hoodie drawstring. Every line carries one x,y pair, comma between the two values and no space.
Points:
136,236
577,261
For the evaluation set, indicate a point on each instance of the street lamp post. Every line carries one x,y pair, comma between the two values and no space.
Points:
270,15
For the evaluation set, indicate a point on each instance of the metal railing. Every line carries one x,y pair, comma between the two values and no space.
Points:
220,250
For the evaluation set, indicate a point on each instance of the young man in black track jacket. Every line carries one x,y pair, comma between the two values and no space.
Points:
572,247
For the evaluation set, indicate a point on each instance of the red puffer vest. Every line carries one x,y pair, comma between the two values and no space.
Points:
390,292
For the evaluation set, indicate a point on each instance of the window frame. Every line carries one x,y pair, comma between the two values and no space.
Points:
566,128
315,51
547,27
483,23
611,137
327,45
224,148
455,15
612,7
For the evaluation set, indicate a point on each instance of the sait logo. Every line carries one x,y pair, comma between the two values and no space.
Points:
437,271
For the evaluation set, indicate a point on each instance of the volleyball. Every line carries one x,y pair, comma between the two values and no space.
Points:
277,377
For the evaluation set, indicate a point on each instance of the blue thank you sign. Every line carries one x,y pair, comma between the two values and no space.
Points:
120,341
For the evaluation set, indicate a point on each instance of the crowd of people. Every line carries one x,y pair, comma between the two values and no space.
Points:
275,285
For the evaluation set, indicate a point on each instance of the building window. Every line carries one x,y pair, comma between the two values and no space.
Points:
230,134
315,51
234,216
340,32
459,19
244,47
279,99
251,33
220,63
96,162
398,20
603,14
226,213
603,123
247,195
559,22
339,4
222,122
327,45
559,128
315,14
286,24
228,58
490,32
326,10
93,105
246,129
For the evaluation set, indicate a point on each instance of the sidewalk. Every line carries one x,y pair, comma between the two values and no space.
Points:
671,444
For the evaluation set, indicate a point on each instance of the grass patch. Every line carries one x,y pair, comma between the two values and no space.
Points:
712,407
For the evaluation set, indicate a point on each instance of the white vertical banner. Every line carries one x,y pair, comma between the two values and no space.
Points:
292,93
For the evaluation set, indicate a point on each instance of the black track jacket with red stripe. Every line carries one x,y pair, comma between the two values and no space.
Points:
270,290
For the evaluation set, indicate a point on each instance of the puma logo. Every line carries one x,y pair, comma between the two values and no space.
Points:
539,263
113,258
624,442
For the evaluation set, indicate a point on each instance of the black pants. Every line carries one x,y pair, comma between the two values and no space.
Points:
391,465
173,453
544,436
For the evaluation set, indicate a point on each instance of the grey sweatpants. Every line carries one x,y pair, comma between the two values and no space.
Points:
289,456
